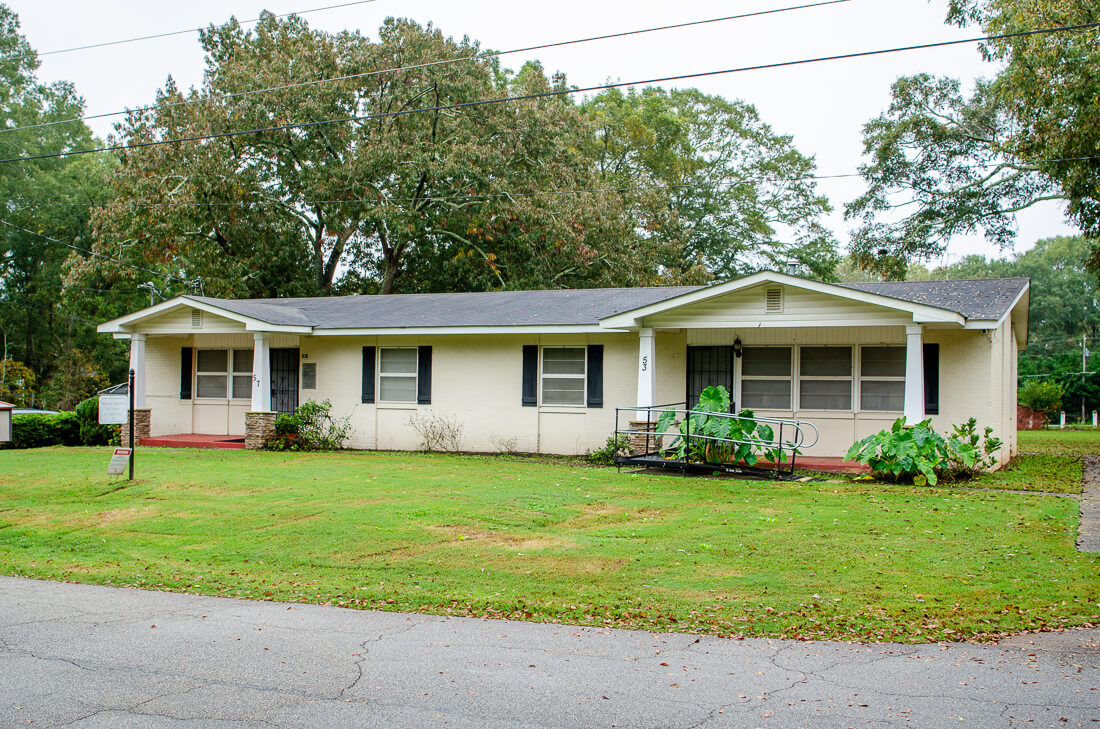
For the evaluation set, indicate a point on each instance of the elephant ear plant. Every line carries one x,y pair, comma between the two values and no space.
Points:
919,454
709,434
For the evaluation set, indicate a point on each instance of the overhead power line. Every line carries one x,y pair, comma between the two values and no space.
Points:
428,64
379,199
548,94
97,255
176,32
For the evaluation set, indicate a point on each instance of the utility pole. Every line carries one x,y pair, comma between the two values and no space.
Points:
1084,368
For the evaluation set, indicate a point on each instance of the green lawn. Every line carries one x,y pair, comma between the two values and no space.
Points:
511,538
1065,442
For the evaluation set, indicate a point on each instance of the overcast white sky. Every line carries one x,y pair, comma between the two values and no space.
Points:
822,105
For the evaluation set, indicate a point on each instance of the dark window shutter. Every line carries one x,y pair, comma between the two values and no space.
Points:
368,374
595,376
424,376
185,372
530,375
932,379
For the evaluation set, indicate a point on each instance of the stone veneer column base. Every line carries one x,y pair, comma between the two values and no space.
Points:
638,439
142,426
258,427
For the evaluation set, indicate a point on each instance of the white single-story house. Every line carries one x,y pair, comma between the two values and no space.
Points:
544,371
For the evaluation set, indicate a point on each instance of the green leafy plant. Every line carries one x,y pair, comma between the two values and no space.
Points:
920,454
310,427
1041,396
615,447
984,447
39,430
708,434
91,432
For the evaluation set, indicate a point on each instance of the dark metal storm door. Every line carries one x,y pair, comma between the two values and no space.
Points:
707,366
284,380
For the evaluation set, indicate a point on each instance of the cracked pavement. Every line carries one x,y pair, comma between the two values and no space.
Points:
91,657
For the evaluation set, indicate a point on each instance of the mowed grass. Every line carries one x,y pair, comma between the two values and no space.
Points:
1060,442
499,537
1048,460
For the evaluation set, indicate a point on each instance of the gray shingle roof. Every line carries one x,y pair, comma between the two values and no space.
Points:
974,299
498,308
988,298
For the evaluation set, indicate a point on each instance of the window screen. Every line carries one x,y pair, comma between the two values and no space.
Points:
563,370
825,378
766,378
397,374
242,373
882,379
212,373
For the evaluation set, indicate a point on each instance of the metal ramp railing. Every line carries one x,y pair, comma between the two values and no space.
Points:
683,447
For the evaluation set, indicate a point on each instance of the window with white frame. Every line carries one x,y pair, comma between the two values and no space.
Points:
825,378
215,378
766,378
242,374
563,375
882,379
397,374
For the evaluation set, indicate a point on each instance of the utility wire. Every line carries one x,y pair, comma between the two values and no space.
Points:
446,61
381,200
98,255
176,32
548,94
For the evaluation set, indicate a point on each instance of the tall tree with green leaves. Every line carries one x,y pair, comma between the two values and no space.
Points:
402,194
45,197
728,193
945,162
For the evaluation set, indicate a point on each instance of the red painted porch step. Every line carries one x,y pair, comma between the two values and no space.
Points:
195,440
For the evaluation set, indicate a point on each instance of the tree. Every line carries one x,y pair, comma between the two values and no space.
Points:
713,180
47,197
402,195
945,163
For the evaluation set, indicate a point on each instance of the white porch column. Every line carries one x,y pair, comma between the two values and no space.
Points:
647,370
137,364
914,374
261,373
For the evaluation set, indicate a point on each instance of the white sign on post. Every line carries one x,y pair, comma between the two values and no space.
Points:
114,409
119,461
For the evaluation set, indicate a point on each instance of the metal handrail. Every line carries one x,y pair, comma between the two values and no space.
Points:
797,442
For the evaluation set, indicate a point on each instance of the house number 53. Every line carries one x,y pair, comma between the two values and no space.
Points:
645,363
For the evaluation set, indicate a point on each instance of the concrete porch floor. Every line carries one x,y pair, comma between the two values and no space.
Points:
195,440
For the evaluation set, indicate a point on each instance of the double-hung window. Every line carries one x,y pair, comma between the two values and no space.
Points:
766,378
397,374
223,373
563,375
242,373
825,378
882,379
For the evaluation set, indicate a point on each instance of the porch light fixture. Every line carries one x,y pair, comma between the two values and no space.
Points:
737,347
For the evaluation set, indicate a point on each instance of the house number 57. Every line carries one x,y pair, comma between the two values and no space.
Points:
645,363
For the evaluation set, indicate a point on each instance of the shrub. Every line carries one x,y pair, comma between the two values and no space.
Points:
309,428
91,432
919,454
615,447
1041,396
437,432
38,431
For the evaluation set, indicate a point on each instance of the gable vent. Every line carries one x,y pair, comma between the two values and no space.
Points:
196,319
773,301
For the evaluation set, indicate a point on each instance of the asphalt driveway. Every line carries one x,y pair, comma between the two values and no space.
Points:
95,657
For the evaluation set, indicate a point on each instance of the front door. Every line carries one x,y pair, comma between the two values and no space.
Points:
284,380
706,367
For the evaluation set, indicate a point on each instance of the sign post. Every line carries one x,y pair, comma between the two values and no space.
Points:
131,422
